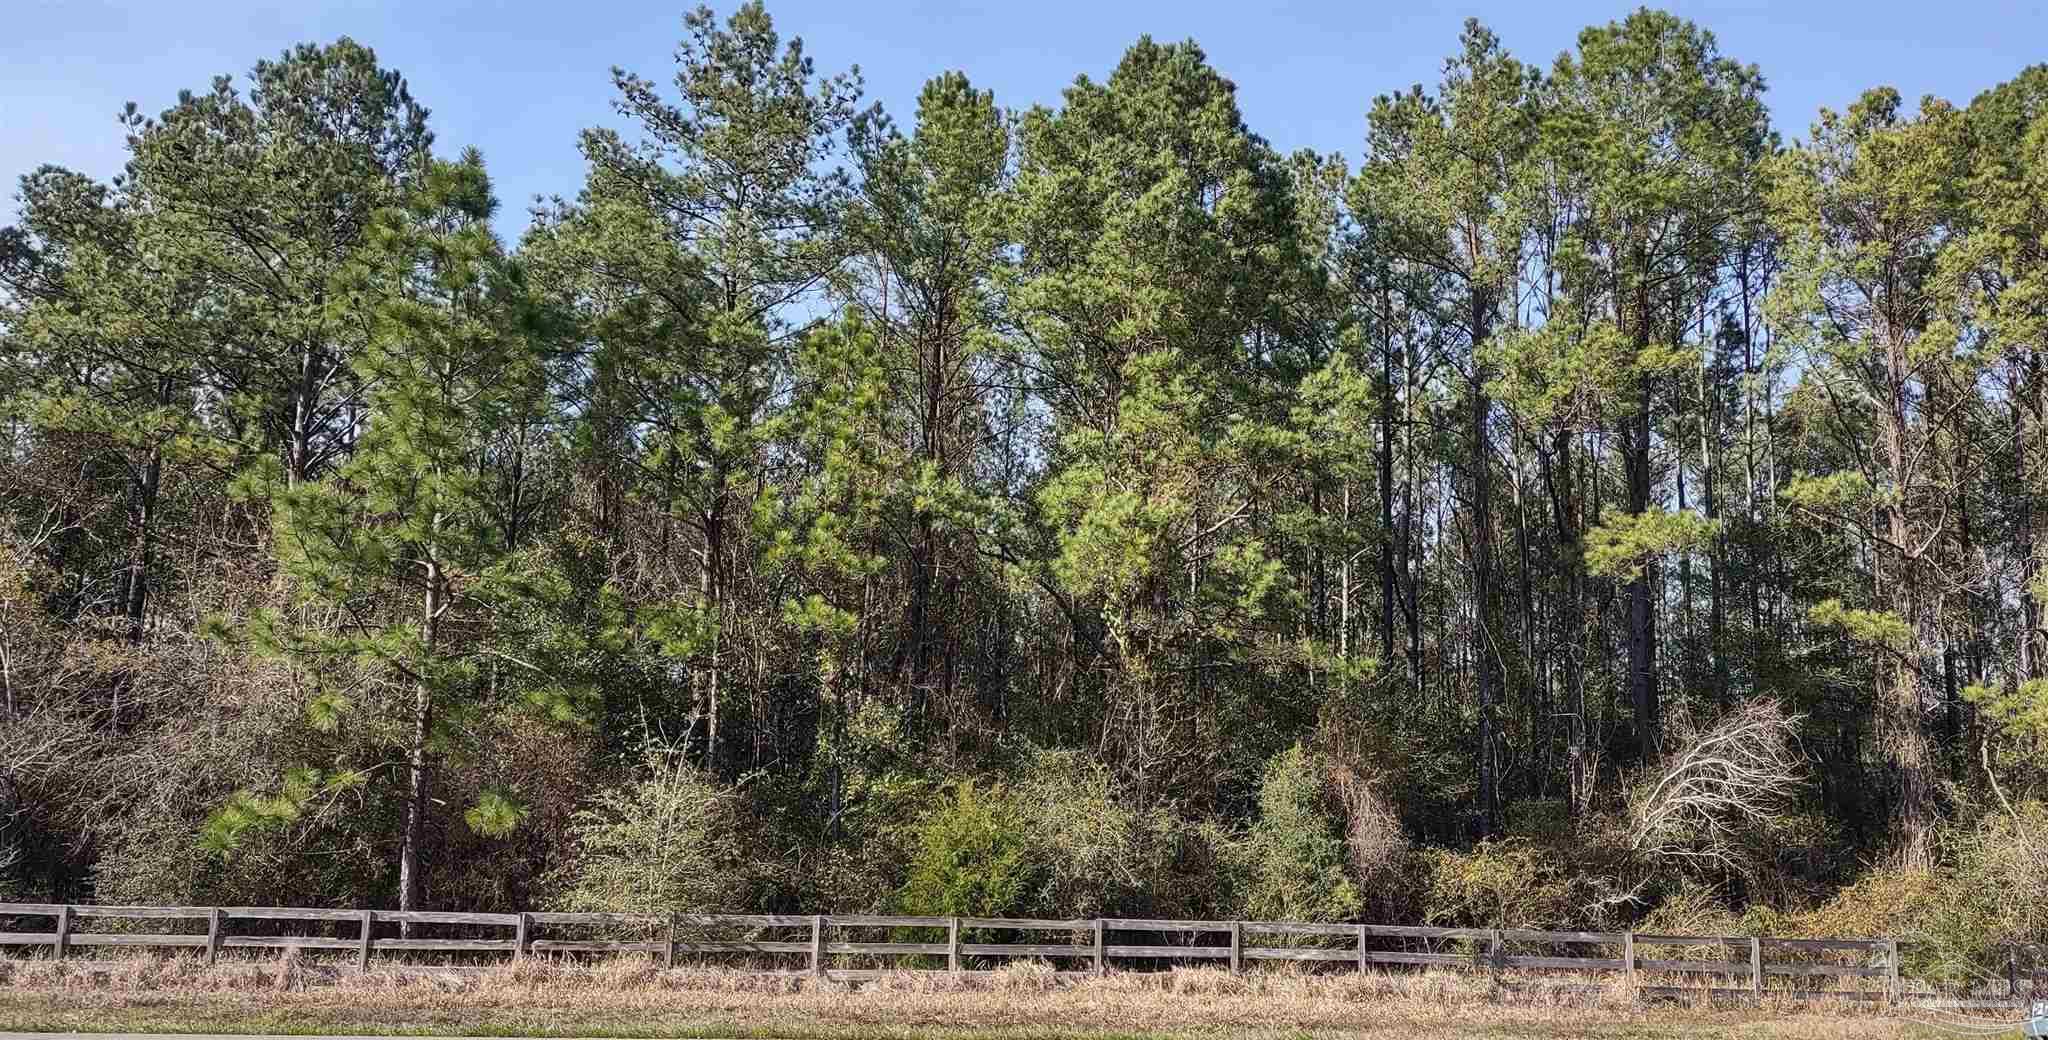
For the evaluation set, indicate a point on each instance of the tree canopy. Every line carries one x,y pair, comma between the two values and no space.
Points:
1581,508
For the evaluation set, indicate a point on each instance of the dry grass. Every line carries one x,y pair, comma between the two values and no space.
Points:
633,997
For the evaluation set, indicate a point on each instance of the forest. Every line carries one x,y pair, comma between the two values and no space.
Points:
1585,508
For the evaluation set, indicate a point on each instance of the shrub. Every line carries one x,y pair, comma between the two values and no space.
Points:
2004,855
1185,869
1499,884
1692,908
972,857
1377,845
1882,902
1086,842
1295,854
1365,766
1960,919
666,841
1053,842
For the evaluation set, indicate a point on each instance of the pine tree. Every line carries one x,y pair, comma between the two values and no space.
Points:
1866,210
1447,184
1653,134
686,254
401,540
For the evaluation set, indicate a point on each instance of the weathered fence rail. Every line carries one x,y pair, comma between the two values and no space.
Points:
814,940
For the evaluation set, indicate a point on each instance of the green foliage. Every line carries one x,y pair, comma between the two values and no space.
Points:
249,813
496,814
1621,544
1649,125
1157,236
2022,708
1056,840
1841,492
1295,856
667,839
1874,627
972,857
1511,883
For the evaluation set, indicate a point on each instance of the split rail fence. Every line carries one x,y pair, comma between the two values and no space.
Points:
819,944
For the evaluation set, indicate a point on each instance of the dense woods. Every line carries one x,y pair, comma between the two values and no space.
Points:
1585,508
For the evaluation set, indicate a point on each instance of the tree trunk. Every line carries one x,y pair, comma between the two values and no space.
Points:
1642,616
304,414
2030,394
135,579
1900,702
143,547
1717,550
1391,539
1486,647
1557,473
1411,581
416,760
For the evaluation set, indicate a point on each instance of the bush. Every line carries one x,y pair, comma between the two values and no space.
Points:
1880,903
1055,842
1085,840
972,857
1500,884
1959,920
667,841
1692,908
2006,855
1295,854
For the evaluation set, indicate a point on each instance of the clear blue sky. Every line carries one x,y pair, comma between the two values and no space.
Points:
518,79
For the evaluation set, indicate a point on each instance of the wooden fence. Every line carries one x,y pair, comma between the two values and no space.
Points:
1751,964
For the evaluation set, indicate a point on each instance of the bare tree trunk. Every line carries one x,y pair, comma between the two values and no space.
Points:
1642,616
1392,540
1717,551
1411,598
1557,473
305,414
2030,394
143,546
1900,704
711,593
1344,586
1486,647
1537,755
416,760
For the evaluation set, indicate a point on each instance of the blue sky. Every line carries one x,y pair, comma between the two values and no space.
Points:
518,79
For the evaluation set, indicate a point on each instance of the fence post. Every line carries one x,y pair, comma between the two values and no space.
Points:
1101,963
363,946
1494,952
1236,946
1756,967
522,937
213,935
63,931
1891,956
953,945
2012,972
1628,960
818,945
1361,949
668,958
